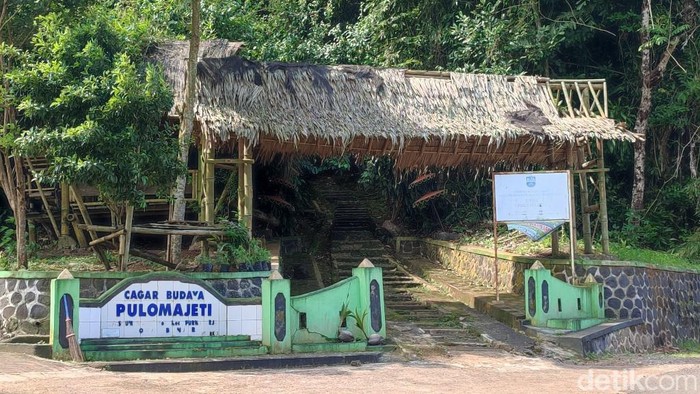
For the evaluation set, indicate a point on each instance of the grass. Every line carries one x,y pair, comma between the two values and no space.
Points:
690,347
517,243
661,259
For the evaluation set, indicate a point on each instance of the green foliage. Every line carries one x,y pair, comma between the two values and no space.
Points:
504,37
8,241
626,252
691,247
236,247
94,109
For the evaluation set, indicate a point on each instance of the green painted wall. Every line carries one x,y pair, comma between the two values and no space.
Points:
550,302
322,308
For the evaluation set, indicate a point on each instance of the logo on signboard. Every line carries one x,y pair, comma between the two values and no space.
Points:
530,181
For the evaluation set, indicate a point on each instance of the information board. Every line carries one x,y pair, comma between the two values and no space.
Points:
532,196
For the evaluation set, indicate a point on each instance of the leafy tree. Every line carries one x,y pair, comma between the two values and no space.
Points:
16,27
186,126
94,109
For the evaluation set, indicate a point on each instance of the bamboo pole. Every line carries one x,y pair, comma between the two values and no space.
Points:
585,214
127,235
602,196
572,209
555,233
86,219
204,232
52,219
245,186
65,203
106,237
224,193
79,235
572,227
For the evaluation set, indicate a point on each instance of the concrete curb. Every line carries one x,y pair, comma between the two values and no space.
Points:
260,362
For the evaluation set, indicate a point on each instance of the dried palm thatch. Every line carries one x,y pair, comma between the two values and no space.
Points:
172,56
442,119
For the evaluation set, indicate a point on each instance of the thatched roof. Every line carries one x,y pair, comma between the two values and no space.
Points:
172,56
447,120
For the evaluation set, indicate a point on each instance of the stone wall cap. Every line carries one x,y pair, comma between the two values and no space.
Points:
65,274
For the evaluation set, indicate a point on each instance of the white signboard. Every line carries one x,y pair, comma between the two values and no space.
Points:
532,196
168,308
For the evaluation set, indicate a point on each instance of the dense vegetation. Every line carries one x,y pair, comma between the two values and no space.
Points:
578,38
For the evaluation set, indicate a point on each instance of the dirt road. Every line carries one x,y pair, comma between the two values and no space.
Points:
486,371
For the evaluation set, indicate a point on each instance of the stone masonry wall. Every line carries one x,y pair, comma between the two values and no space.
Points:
24,306
477,268
667,301
635,339
25,303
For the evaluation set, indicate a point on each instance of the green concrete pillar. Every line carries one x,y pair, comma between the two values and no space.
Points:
65,290
371,297
277,314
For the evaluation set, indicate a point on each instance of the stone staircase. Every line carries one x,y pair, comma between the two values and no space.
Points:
417,324
117,349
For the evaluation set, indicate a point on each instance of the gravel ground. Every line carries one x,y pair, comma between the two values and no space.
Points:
487,370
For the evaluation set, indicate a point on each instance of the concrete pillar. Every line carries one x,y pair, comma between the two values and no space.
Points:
277,314
371,297
65,291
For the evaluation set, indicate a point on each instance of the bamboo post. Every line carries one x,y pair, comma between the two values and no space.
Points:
245,186
45,201
572,227
209,213
572,210
127,236
555,234
602,203
65,203
201,169
107,237
86,219
79,235
585,213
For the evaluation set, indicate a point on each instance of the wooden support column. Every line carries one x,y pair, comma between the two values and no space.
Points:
125,239
47,207
555,233
245,186
570,163
78,198
65,205
206,169
602,196
585,212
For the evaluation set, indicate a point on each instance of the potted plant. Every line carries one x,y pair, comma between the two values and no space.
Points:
205,263
223,257
243,259
260,256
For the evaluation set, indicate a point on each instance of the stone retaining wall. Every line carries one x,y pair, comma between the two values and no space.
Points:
478,268
635,339
25,302
667,300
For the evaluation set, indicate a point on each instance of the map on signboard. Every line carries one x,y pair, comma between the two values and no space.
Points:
532,196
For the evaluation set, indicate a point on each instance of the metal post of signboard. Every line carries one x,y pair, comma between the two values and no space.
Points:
495,233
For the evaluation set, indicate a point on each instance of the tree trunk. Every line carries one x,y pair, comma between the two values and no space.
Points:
642,120
21,215
186,126
693,157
